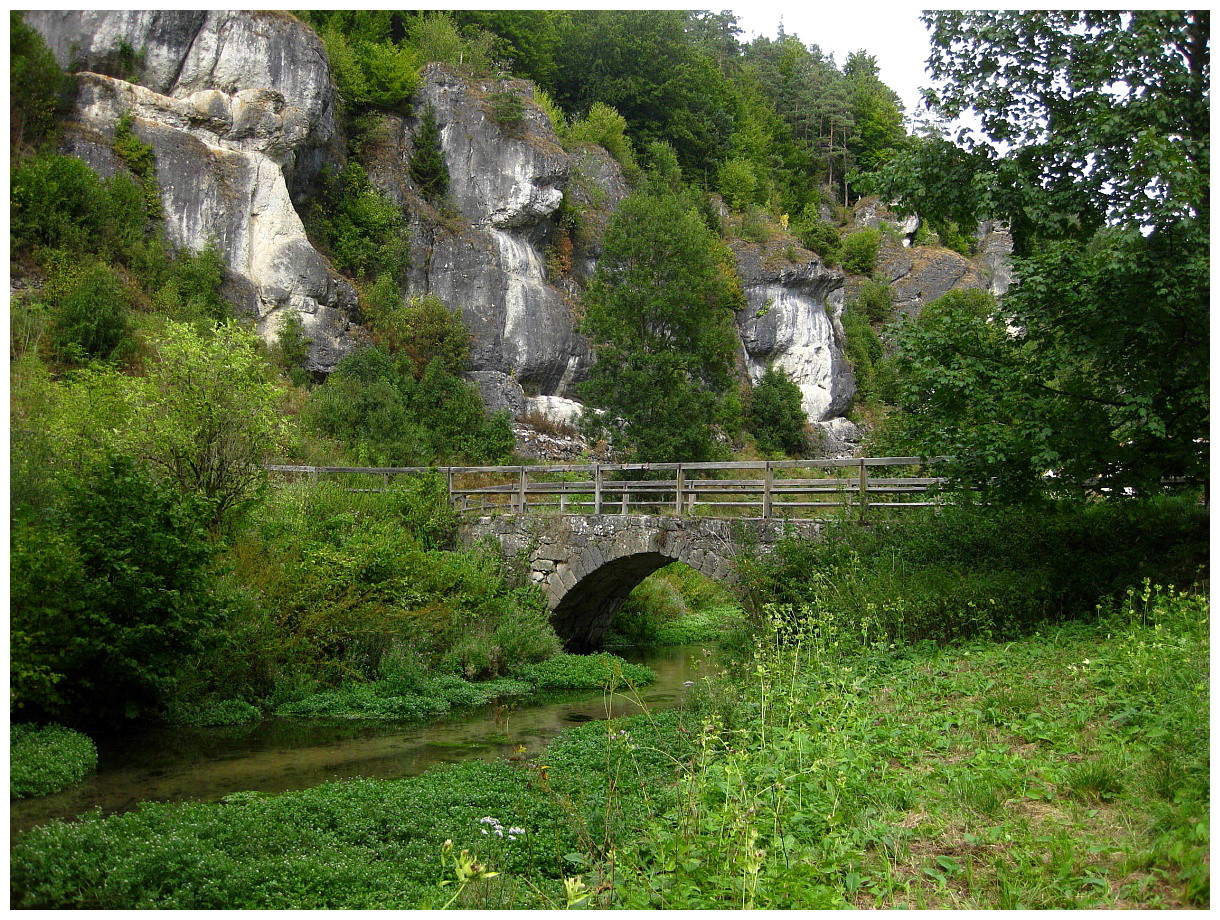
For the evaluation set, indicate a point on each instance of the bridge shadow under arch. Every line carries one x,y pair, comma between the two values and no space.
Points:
584,613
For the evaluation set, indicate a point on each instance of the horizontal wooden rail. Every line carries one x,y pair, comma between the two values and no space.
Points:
779,488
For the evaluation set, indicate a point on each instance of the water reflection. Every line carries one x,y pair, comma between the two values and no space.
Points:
279,755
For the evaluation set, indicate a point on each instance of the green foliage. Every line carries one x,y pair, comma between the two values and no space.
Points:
361,844
47,759
291,349
138,157
507,108
660,314
188,290
134,552
738,183
359,227
427,166
366,587
1110,219
604,126
206,415
648,68
91,315
36,85
373,403
774,414
860,249
966,572
821,237
438,38
215,713
375,74
585,672
875,300
59,203
421,329
875,373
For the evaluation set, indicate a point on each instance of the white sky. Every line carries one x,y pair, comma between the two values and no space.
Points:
890,32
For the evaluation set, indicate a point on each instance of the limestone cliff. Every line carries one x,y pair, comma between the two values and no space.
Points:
241,112
230,102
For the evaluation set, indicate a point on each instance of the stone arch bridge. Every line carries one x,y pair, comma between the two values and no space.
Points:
588,564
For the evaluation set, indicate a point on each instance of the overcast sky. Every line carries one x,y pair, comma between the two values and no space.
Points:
890,32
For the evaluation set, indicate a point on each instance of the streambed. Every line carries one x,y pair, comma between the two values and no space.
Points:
279,754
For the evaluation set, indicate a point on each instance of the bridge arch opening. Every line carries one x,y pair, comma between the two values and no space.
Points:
586,611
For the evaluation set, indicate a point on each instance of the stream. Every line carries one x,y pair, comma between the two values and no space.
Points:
280,754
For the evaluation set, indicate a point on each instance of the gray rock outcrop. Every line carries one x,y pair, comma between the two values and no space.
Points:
792,323
227,101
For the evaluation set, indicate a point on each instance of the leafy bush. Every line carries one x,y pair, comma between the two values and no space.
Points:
35,86
359,227
91,316
134,552
507,109
373,403
45,760
214,713
821,237
604,126
362,587
738,183
968,571
860,250
585,672
371,74
58,202
774,414
875,300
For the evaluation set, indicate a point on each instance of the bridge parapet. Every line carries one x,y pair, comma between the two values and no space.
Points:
588,564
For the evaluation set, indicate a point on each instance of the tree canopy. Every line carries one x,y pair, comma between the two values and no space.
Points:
1094,150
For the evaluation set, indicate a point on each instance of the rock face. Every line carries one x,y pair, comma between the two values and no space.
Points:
240,110
489,258
228,101
792,323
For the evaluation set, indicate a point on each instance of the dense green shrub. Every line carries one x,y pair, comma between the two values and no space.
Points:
91,316
358,226
45,760
374,404
603,126
35,86
738,183
365,587
860,250
370,74
58,202
214,713
822,238
419,329
774,414
109,593
875,300
964,571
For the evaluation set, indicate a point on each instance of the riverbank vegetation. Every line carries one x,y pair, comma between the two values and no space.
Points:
1068,769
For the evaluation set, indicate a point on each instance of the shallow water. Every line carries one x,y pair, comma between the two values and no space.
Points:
179,765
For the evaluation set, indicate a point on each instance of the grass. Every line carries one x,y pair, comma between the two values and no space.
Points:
1065,770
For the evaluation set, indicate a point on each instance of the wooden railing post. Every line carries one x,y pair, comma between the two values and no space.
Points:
679,484
863,488
523,490
768,482
597,488
449,488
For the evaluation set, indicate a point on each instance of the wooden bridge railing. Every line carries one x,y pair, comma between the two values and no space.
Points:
756,489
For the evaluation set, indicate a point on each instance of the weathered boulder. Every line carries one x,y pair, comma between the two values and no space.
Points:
792,322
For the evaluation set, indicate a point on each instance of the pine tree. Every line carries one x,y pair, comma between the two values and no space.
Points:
428,167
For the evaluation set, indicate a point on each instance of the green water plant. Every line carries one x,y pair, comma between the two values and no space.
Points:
47,759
